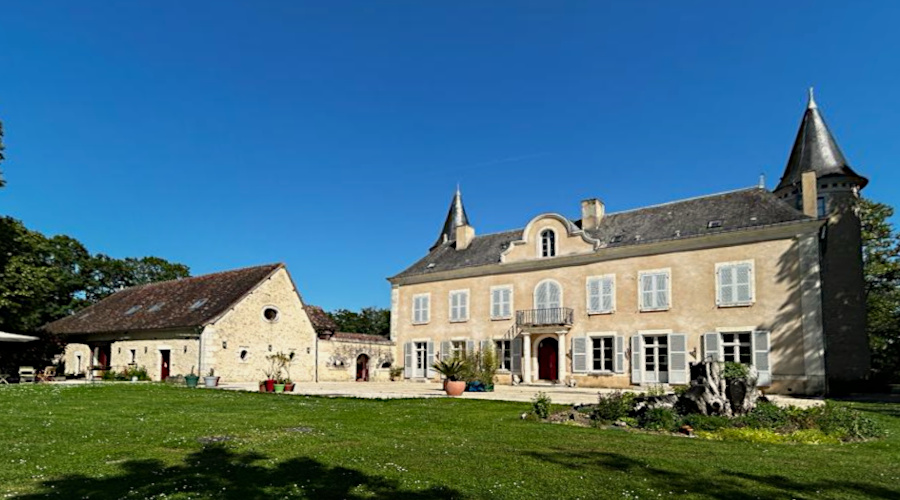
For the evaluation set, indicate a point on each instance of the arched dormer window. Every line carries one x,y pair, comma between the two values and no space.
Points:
548,243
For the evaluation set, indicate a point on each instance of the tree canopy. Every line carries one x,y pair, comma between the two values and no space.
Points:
881,264
371,320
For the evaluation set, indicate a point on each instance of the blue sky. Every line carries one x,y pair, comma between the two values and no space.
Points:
331,135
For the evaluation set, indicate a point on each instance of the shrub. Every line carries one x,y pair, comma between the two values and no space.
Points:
540,405
735,371
811,436
656,390
766,416
706,422
845,423
658,419
614,406
136,371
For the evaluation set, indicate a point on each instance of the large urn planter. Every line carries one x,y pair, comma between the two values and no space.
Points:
455,387
279,387
191,380
210,382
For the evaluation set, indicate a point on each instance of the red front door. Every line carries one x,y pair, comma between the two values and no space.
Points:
547,356
362,368
164,367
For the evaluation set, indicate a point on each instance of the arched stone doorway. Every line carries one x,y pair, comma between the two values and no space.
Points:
362,368
548,356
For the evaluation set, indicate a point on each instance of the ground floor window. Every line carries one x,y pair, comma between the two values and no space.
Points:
737,347
420,368
504,354
458,349
602,354
656,358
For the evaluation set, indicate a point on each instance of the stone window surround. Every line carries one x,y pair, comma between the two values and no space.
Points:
277,313
752,263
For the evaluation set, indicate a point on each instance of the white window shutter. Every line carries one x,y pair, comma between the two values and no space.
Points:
445,350
517,355
542,296
408,360
712,350
507,303
593,291
742,283
429,358
470,347
726,285
662,290
607,294
426,309
554,296
464,305
636,357
647,291
579,355
678,365
761,349
496,306
619,361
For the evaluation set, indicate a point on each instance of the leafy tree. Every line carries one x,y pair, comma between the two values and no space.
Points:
105,275
881,264
371,320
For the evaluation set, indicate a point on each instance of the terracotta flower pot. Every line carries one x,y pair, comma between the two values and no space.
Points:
455,388
289,387
262,387
270,385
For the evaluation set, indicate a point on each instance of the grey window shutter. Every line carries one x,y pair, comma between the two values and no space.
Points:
678,366
507,303
495,303
464,305
761,358
619,361
408,364
470,347
647,291
445,350
429,358
662,290
541,296
517,355
712,350
636,358
607,292
554,296
742,280
594,295
485,346
579,355
726,285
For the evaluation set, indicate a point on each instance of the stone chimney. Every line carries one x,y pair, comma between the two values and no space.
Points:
464,236
810,193
592,211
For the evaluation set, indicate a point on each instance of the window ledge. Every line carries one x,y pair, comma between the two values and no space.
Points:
600,313
421,323
655,310
735,304
505,318
459,320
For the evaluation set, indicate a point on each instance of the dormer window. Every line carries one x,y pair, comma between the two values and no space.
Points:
548,243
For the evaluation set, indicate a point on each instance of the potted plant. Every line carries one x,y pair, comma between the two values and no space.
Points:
270,374
285,364
262,386
211,380
452,370
279,385
396,372
191,379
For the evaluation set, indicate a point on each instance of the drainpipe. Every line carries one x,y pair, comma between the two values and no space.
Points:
317,358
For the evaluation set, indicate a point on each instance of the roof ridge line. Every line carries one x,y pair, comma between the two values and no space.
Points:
692,198
144,285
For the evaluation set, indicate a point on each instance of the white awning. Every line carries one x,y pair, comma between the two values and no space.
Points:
12,337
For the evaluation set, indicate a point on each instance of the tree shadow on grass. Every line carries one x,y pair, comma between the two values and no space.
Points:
723,483
217,472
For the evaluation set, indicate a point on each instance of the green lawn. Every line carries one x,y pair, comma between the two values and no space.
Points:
149,440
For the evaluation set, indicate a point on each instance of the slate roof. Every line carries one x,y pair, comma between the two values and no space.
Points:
183,303
321,321
456,216
816,150
737,210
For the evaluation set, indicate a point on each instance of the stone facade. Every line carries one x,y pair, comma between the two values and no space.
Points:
348,360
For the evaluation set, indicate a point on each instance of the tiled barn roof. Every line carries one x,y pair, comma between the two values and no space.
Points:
182,303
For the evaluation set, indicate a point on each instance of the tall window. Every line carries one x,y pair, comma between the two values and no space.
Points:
458,349
501,302
504,354
547,295
656,357
601,293
548,243
602,348
737,347
421,308
820,206
459,305
654,290
735,283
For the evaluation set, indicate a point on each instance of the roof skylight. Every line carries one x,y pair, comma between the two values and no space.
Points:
156,307
133,309
199,303
714,224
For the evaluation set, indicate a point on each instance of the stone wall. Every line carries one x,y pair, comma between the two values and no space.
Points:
338,360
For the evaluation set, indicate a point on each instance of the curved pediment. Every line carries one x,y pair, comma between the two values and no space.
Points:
568,240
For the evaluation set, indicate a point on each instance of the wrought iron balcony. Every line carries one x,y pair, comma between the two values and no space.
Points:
557,316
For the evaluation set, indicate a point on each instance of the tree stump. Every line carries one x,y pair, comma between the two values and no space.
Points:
711,394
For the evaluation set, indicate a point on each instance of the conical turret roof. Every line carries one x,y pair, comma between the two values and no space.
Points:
456,217
816,150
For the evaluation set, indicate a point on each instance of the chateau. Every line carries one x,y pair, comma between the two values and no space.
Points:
631,298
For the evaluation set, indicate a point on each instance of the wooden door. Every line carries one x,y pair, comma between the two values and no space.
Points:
362,368
547,356
165,365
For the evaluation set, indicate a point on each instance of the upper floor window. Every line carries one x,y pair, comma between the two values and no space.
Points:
734,284
601,294
501,302
548,243
547,295
459,305
654,290
421,308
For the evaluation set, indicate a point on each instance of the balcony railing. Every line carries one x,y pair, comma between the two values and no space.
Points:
557,316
